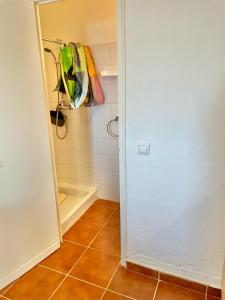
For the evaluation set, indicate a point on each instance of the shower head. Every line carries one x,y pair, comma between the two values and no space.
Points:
52,53
47,50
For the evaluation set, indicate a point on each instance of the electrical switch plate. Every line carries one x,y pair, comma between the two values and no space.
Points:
143,148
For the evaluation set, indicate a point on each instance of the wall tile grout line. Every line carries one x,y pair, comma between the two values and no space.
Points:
75,264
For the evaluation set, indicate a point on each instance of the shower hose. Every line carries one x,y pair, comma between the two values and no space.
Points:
58,109
58,98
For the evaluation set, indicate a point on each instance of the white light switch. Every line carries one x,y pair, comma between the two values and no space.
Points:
143,148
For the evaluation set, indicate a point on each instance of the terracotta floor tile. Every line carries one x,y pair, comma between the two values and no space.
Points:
214,292
97,214
133,285
37,284
96,267
63,259
108,240
114,221
82,233
113,296
107,203
73,289
212,298
168,291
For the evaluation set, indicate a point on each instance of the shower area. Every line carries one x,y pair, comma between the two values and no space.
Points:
85,137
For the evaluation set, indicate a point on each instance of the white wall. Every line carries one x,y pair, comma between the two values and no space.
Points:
28,218
88,155
86,21
176,101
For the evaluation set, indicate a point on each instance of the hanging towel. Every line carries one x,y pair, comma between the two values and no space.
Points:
67,71
95,95
81,76
77,72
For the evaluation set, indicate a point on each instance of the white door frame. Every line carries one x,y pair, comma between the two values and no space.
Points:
122,125
41,51
122,118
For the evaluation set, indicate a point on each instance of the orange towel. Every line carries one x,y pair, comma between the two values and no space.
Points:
96,95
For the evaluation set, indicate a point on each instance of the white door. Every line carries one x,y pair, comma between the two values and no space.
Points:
28,215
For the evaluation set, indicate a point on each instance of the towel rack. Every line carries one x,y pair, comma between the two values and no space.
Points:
109,130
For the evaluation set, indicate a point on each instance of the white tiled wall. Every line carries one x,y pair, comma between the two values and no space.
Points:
88,155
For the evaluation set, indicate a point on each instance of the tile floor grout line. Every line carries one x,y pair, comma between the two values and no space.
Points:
56,289
75,264
110,280
105,206
128,297
87,247
85,281
156,289
93,223
110,216
206,293
143,274
1,296
103,251
84,221
67,275
50,269
75,243
10,285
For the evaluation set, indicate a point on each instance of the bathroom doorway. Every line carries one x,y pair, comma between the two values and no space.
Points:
85,139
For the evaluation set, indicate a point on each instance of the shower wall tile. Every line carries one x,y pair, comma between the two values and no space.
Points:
100,130
88,155
103,146
105,162
106,192
114,146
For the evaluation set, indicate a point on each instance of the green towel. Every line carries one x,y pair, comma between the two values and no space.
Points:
67,71
82,73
